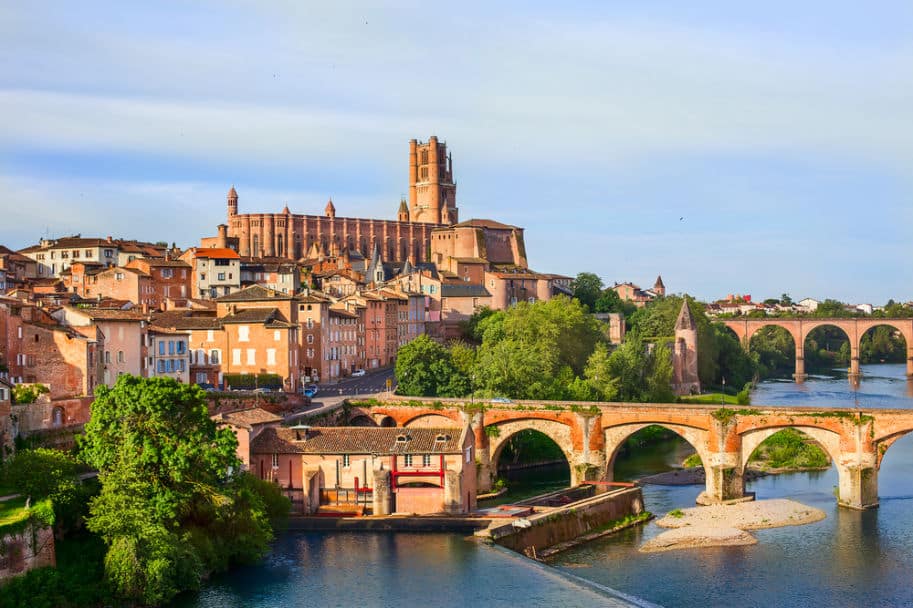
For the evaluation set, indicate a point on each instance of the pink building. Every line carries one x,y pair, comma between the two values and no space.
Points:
384,470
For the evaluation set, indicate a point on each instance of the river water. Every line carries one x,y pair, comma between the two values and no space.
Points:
849,559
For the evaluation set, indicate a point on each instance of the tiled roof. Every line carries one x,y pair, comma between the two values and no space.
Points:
250,417
217,253
358,440
182,319
254,293
114,314
463,290
473,223
341,312
252,315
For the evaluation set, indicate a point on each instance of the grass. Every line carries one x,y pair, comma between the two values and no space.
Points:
676,513
710,399
13,511
692,461
790,449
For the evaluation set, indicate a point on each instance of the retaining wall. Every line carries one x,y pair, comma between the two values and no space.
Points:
564,524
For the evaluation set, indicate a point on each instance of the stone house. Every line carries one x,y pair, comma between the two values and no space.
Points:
169,281
246,425
124,332
389,470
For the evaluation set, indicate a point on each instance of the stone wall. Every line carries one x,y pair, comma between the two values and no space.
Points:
25,550
570,522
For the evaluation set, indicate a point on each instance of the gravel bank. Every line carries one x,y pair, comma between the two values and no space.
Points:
721,525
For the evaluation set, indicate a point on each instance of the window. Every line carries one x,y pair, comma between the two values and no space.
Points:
209,335
170,347
167,273
251,356
346,460
169,365
213,356
109,253
120,356
161,366
118,276
310,339
275,461
236,356
221,276
276,335
310,324
181,347
88,253
243,333
161,347
426,460
469,455
271,356
407,460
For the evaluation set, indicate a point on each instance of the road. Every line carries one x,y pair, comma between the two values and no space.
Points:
328,398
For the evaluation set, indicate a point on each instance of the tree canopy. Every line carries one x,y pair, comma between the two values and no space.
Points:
173,504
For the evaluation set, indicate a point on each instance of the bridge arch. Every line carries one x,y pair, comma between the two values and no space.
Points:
871,330
432,420
362,420
615,436
558,432
829,440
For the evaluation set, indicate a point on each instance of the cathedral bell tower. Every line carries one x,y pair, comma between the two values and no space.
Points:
232,203
432,191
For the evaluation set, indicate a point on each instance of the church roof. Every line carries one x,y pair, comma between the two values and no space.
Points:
232,193
474,223
685,320
403,207
659,282
330,208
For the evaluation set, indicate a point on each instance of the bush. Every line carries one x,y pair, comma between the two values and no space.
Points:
28,393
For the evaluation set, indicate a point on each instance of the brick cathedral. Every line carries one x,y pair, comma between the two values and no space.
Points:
432,204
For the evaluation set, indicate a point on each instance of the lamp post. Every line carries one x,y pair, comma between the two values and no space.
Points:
723,396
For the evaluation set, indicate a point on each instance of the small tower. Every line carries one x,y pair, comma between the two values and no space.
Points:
232,202
403,214
685,378
658,288
330,210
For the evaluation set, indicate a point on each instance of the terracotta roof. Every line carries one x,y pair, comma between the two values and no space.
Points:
474,223
250,417
113,314
217,253
182,319
464,290
470,260
341,312
359,440
255,293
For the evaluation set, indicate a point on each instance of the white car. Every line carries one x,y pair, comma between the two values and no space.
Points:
358,373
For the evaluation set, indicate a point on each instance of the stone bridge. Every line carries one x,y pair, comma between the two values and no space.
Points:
799,328
590,435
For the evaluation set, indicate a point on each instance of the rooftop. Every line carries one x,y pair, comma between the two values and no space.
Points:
359,440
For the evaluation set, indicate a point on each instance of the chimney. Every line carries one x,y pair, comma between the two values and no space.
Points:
110,239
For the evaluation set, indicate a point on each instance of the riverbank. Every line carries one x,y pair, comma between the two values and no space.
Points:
727,525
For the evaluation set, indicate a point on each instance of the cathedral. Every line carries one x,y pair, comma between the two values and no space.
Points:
432,204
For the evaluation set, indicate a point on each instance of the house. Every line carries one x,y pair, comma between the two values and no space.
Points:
246,425
56,255
216,271
124,333
808,304
386,470
170,281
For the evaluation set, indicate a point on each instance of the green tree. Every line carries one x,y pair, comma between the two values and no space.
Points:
587,288
600,375
172,505
610,301
424,368
46,473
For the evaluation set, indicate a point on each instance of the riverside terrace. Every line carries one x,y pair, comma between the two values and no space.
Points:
590,435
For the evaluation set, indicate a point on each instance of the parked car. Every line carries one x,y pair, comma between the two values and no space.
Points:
206,386
310,392
501,400
358,373
263,389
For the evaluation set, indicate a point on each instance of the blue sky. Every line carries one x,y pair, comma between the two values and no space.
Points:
734,149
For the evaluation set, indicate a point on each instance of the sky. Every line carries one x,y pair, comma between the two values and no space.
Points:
732,147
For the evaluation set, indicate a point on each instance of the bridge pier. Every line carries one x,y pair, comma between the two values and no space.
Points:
909,361
724,479
483,453
854,370
858,487
800,376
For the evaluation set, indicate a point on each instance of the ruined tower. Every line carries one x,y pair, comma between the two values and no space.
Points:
432,191
685,379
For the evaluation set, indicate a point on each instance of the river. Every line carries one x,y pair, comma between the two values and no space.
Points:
849,559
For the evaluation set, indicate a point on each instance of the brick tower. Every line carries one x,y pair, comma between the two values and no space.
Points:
432,191
232,203
685,378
